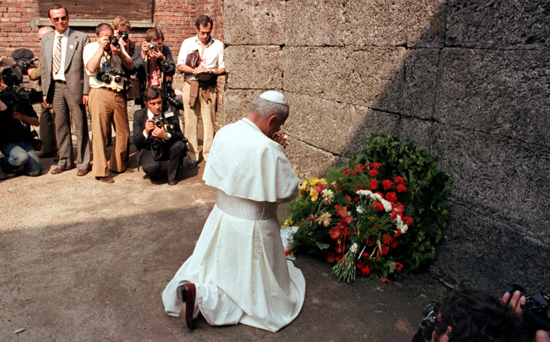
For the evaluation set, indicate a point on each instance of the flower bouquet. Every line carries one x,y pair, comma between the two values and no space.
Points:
355,221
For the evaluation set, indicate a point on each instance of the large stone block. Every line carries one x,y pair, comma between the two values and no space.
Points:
251,22
478,251
307,160
259,67
341,22
334,127
505,179
237,104
425,23
353,76
413,88
499,92
501,24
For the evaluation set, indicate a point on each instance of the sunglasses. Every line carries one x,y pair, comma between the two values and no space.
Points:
56,19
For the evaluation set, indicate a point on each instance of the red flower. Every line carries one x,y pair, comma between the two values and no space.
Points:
347,172
391,196
387,184
398,266
385,280
359,187
386,239
340,249
375,165
408,220
363,268
394,243
385,250
330,257
370,242
399,180
320,187
401,188
311,218
358,168
373,184
335,233
340,211
378,206
397,234
373,172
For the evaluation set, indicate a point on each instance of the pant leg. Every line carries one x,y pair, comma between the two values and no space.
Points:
14,157
33,167
176,155
47,131
190,115
100,108
78,114
208,113
122,133
62,128
150,166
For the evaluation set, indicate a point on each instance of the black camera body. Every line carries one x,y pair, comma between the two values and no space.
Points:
535,310
426,328
107,77
170,98
113,40
123,35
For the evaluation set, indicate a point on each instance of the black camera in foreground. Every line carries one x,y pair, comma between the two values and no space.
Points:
426,328
113,40
535,310
123,35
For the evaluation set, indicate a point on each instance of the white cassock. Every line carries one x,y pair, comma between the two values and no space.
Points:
239,266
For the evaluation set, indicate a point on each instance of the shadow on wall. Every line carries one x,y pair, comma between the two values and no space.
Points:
467,79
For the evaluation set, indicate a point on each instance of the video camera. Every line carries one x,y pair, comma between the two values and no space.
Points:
15,96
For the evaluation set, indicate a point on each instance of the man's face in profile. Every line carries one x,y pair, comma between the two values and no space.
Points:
155,105
204,32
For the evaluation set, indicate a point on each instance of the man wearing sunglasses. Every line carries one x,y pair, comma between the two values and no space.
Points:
65,86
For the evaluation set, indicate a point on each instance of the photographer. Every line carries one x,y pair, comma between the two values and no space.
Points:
158,137
16,141
467,316
153,62
122,28
107,63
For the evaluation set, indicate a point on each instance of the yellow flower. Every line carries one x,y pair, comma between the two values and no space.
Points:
288,222
314,195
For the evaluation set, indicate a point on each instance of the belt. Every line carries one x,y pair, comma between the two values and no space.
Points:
109,89
60,81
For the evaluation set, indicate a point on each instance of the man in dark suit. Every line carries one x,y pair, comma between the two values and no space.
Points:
158,137
65,85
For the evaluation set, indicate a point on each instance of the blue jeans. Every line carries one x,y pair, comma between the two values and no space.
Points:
20,154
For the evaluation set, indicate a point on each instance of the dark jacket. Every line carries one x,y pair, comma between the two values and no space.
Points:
141,67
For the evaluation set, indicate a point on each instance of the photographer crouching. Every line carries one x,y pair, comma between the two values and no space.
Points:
477,316
16,141
158,137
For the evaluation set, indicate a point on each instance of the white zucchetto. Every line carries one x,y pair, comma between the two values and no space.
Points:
274,96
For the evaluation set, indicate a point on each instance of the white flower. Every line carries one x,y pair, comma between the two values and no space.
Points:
364,193
403,228
387,205
354,248
328,195
378,197
359,209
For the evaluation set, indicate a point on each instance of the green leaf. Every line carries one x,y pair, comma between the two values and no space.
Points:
322,245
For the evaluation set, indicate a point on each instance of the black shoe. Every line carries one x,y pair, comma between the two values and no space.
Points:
173,182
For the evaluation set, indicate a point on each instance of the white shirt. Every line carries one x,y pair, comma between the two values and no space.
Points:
89,52
60,76
212,58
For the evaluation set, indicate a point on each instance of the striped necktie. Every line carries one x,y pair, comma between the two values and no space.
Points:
57,55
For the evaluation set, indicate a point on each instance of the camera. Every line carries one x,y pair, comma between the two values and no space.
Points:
426,328
123,35
113,40
107,77
171,97
536,310
153,46
157,120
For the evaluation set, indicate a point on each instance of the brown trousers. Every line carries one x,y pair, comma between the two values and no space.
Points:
108,107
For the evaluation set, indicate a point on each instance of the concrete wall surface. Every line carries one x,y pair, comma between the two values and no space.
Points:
467,79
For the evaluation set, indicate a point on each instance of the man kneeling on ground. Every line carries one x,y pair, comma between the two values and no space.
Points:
158,137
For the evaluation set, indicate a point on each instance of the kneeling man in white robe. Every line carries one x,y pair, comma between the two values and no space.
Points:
238,272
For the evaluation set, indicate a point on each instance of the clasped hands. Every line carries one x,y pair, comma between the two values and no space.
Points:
155,131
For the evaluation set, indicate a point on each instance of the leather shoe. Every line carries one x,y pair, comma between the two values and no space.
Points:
173,182
56,171
188,294
82,172
108,180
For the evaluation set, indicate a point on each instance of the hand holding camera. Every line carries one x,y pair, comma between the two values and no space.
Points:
149,126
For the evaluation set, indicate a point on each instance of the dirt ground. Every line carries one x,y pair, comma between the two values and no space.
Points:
81,260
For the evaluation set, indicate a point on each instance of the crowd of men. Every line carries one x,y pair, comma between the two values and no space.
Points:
102,76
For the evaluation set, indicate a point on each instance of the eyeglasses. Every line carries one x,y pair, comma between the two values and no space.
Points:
56,19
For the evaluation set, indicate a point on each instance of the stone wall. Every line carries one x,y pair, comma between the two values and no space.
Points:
468,79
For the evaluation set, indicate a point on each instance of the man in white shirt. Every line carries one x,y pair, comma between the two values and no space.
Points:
106,63
238,272
199,89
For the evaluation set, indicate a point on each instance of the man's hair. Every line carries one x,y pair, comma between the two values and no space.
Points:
154,34
103,27
45,29
57,6
152,93
203,20
265,108
121,21
477,316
